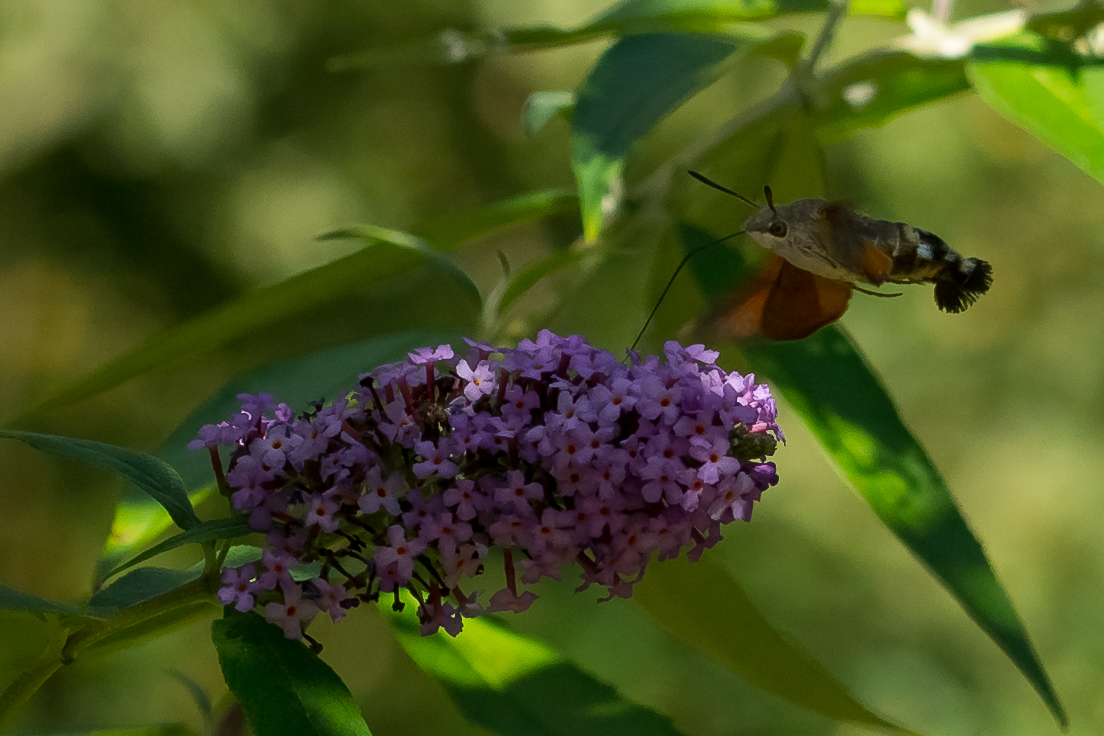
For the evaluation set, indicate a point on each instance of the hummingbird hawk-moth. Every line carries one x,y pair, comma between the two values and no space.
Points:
822,250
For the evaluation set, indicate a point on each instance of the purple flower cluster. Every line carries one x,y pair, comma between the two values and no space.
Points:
553,452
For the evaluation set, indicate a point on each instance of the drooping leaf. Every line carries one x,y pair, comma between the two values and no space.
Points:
141,585
208,531
703,606
635,83
263,308
828,383
16,600
151,474
514,685
527,279
284,688
373,234
1048,90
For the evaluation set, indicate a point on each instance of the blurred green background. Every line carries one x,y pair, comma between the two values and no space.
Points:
159,159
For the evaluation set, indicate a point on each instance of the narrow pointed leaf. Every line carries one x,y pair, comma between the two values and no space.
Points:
517,686
141,585
828,383
152,474
263,308
16,600
635,83
284,688
703,606
373,234
208,531
1048,90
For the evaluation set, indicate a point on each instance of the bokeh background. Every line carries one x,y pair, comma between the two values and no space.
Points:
159,159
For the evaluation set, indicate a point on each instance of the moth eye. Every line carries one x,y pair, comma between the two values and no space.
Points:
777,229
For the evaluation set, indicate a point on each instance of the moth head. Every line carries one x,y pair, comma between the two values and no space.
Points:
768,226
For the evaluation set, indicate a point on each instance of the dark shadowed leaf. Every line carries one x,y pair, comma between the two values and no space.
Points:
141,585
284,688
1048,90
151,474
208,531
16,600
703,606
517,686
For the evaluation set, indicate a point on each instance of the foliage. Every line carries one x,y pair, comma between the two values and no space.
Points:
636,217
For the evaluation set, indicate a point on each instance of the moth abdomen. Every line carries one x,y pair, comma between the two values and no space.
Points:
924,256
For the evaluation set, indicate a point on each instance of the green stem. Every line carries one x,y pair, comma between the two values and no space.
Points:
27,683
837,9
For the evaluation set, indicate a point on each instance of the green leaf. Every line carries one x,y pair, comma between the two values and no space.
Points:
635,83
703,606
879,86
168,729
374,234
263,308
541,107
1048,90
702,16
208,531
514,685
16,600
828,383
141,585
152,474
284,689
528,278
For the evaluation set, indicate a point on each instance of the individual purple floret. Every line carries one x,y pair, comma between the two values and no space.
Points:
552,454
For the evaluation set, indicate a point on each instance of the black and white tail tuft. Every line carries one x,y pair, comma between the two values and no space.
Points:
961,282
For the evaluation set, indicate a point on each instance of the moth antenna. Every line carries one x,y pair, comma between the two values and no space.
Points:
875,293
671,281
770,198
709,182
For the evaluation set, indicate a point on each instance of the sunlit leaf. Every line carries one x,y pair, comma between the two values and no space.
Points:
284,689
635,83
151,474
1050,91
701,605
828,383
513,685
